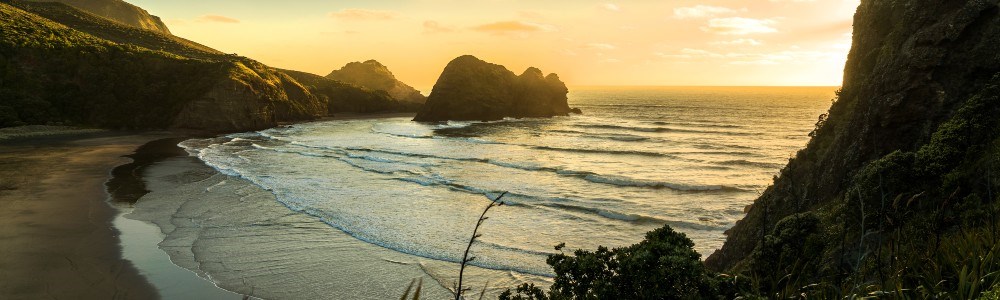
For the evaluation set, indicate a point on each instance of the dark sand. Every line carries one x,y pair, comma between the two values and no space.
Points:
56,236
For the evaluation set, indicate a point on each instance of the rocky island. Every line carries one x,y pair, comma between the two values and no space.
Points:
472,89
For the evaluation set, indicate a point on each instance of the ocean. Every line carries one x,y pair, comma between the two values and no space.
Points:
636,159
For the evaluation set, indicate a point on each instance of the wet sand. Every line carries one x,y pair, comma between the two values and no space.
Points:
56,235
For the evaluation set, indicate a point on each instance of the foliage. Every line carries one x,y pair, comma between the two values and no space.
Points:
662,266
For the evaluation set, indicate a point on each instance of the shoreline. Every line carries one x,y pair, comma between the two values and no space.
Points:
57,231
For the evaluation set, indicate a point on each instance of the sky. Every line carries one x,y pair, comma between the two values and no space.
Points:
630,43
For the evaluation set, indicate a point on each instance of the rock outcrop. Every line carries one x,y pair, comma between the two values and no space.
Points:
119,11
903,151
375,76
472,89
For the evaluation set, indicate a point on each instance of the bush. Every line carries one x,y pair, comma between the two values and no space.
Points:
663,266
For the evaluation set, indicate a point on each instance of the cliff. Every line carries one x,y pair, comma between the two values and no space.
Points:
472,89
905,159
66,66
375,76
119,11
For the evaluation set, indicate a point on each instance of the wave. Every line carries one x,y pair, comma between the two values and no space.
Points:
613,137
604,151
634,218
662,129
758,164
707,125
629,182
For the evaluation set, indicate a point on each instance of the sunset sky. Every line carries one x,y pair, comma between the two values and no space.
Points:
664,42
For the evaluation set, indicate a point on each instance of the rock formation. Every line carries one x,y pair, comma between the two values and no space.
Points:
119,11
472,89
373,75
904,149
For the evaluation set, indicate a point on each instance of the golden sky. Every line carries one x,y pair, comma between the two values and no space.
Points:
641,42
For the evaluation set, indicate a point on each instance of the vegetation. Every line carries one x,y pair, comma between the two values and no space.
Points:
343,97
63,66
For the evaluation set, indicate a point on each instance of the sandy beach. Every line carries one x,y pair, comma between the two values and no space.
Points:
56,236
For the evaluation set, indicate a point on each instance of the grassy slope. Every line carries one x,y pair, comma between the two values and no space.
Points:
105,74
56,74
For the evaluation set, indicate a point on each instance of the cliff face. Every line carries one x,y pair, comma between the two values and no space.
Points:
472,89
375,76
119,11
903,150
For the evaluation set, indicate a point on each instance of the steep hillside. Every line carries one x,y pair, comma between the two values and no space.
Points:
343,97
67,66
373,75
906,160
55,74
100,27
119,11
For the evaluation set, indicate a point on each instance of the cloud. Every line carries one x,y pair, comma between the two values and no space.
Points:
611,7
358,14
217,19
701,11
751,58
431,27
600,46
739,26
518,27
739,42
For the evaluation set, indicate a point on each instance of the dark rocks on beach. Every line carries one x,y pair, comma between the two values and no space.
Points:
472,89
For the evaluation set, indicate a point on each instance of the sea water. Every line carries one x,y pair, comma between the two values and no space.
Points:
637,158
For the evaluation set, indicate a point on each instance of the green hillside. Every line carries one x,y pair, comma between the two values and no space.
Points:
119,11
116,32
62,65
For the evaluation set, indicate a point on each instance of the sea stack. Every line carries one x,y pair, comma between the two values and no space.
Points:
376,76
471,89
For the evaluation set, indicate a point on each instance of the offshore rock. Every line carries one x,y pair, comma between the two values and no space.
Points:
472,89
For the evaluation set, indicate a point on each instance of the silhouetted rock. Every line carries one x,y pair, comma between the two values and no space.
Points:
373,75
472,89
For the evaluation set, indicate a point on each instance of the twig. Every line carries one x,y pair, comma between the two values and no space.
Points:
475,235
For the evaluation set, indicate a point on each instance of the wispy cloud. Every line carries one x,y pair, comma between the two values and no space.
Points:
358,14
600,46
515,27
431,27
739,42
740,26
612,7
701,11
217,19
752,58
